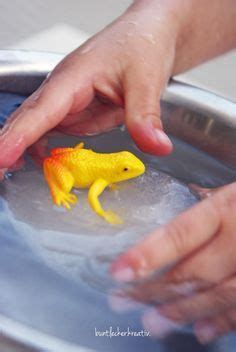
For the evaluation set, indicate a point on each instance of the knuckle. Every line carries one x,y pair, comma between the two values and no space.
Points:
188,280
148,111
30,103
222,324
225,296
35,101
176,236
220,300
179,275
231,319
225,199
149,104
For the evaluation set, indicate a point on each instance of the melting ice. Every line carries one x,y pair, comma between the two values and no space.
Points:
78,242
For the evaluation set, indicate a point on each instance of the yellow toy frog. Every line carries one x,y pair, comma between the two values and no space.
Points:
83,168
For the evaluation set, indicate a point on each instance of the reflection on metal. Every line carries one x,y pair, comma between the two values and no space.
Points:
202,119
32,340
23,71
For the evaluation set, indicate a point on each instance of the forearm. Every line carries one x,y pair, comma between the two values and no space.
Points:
209,30
203,29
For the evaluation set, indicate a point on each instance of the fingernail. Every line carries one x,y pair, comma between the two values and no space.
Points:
122,273
205,332
158,325
162,138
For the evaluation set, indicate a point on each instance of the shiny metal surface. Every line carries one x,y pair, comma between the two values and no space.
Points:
49,316
44,304
23,71
202,119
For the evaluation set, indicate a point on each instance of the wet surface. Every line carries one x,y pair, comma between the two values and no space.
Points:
54,263
8,104
78,242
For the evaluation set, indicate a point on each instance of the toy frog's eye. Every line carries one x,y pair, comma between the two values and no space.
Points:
126,169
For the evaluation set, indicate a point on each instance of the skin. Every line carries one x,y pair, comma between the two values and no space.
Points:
200,287
119,75
82,168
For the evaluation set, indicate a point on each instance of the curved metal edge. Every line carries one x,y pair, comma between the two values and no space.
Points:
33,64
22,72
200,100
202,119
35,339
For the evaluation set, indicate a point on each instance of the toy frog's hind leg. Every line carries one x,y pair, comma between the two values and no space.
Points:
57,151
60,182
95,190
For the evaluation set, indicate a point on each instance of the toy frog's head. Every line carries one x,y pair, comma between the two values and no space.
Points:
127,166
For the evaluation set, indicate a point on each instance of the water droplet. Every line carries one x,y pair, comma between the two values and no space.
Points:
86,49
120,41
149,37
132,23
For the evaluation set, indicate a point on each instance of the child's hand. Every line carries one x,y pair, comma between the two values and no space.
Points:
128,64
199,289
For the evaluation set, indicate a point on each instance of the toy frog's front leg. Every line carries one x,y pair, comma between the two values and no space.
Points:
95,190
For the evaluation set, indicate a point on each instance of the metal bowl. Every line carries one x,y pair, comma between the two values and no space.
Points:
42,308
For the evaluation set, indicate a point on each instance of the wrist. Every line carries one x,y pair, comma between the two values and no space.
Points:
162,17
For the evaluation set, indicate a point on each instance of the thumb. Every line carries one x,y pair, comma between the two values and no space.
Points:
143,112
41,112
